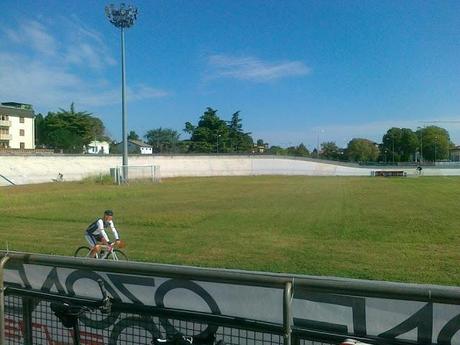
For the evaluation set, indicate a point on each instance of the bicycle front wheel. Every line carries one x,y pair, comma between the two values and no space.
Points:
118,255
82,252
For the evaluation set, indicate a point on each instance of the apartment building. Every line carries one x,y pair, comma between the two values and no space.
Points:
17,126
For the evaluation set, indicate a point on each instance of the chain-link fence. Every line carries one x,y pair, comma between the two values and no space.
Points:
31,320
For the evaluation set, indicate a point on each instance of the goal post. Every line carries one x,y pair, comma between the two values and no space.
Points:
136,173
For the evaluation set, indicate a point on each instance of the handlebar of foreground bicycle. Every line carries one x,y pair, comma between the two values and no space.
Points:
117,244
69,314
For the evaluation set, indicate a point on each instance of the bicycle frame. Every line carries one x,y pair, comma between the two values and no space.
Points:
107,252
102,253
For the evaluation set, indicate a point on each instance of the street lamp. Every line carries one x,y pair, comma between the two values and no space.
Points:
122,17
393,146
217,144
435,142
318,131
421,143
392,137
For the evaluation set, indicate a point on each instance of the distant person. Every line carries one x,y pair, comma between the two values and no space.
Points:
419,170
95,233
59,178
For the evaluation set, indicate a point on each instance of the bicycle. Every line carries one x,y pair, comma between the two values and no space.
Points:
69,314
107,252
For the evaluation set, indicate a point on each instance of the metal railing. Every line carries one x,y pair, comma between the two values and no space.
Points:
29,319
7,180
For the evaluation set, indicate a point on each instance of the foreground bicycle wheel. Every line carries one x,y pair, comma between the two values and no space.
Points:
82,252
118,255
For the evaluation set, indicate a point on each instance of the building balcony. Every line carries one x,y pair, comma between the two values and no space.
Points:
5,136
5,123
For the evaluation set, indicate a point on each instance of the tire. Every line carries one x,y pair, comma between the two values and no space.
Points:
120,255
82,252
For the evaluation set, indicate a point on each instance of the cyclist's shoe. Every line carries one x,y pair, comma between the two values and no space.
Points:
177,339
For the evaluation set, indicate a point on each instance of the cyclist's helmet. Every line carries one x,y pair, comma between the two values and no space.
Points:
108,212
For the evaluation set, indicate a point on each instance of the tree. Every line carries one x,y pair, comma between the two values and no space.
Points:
435,143
314,153
300,151
239,140
40,130
277,150
330,150
69,130
399,145
66,140
206,136
391,143
362,150
409,145
163,140
213,134
133,136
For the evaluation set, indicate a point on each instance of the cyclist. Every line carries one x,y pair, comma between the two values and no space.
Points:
95,233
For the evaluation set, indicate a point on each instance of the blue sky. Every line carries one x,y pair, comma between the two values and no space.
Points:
298,71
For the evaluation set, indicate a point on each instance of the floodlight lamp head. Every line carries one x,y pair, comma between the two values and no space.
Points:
122,17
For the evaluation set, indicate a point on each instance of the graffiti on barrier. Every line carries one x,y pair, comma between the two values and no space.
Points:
423,322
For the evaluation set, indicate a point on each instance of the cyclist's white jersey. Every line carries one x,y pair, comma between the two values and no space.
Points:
98,229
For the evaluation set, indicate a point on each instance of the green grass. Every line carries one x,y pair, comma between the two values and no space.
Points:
399,229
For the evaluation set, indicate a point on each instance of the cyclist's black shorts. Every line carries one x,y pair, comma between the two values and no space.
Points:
95,237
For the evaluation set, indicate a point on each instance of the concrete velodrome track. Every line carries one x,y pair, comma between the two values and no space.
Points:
29,169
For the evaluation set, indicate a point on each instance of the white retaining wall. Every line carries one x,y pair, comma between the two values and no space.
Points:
39,169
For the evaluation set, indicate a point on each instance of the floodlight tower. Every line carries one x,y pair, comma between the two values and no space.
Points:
122,17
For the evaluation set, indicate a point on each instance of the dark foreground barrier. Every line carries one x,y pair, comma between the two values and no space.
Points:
151,301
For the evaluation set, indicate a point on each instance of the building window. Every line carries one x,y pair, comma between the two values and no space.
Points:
21,132
21,119
22,146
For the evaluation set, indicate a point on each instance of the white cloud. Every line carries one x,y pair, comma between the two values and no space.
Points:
141,92
254,69
113,96
34,35
85,46
26,80
51,71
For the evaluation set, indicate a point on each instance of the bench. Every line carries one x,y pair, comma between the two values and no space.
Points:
389,173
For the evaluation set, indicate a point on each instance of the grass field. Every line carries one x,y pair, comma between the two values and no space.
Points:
399,229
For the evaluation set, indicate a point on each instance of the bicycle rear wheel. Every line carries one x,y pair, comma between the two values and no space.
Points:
118,255
82,252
